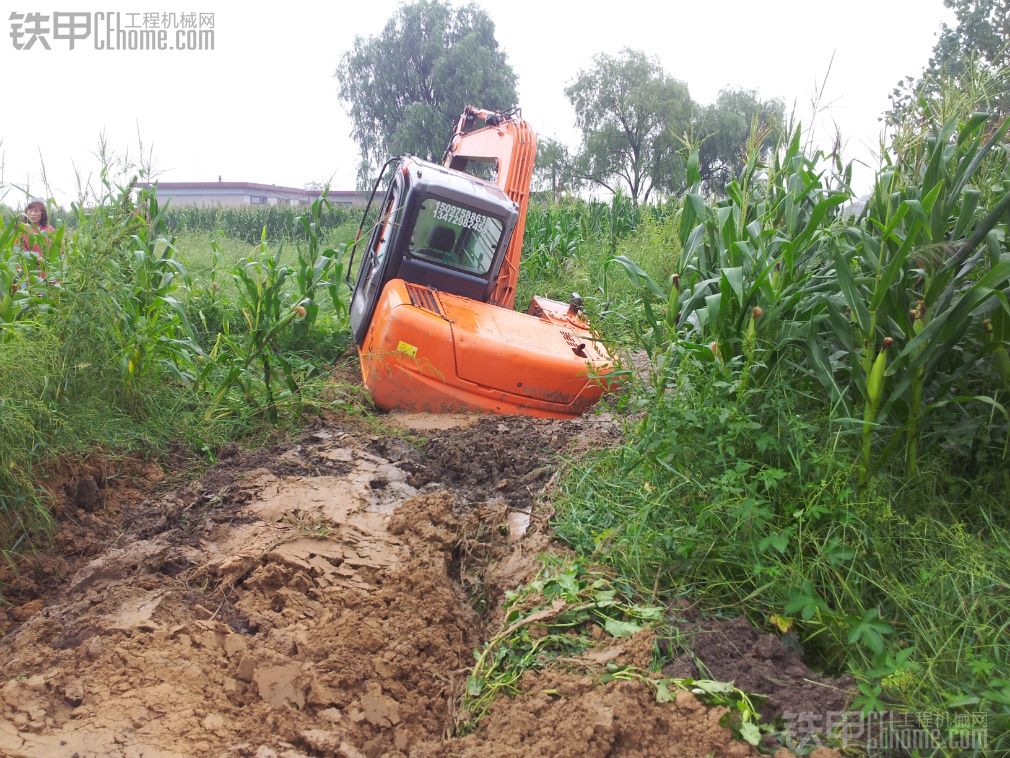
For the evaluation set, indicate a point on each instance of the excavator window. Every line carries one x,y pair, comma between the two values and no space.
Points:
456,236
386,224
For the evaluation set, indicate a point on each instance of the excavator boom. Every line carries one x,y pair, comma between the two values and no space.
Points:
511,146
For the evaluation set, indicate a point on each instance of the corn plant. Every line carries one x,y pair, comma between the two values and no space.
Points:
267,312
154,331
624,216
743,257
886,310
282,222
553,236
275,300
318,268
923,270
207,305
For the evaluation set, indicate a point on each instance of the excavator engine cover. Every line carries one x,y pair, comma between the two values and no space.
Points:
436,352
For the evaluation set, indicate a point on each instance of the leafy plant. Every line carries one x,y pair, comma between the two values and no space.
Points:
154,333
771,272
914,273
264,305
553,617
318,268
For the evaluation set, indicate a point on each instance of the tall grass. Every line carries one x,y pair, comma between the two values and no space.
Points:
821,440
106,339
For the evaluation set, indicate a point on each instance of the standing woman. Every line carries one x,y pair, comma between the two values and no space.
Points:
37,219
37,231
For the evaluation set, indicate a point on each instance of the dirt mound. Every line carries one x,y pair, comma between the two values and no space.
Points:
571,709
317,600
572,716
760,663
90,500
310,615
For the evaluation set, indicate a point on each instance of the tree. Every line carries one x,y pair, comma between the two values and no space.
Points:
725,127
554,171
632,116
407,86
971,58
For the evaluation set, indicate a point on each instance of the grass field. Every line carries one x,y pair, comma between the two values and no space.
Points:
820,442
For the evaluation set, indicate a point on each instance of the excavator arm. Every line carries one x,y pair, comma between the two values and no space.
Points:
509,145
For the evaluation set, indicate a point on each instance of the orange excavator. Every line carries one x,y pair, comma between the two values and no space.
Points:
432,310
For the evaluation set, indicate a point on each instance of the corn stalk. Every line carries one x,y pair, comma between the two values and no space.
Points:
884,310
910,271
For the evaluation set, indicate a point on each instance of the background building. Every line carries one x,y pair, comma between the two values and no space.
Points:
230,194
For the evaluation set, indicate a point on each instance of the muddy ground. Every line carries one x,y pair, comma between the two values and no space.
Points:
326,598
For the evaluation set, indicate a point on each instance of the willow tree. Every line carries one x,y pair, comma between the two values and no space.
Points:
632,116
406,86
970,60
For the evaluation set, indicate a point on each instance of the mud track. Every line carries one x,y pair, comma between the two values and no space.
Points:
323,599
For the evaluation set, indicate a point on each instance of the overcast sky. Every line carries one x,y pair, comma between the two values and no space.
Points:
262,105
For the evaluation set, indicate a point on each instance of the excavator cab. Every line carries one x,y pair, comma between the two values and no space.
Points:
437,228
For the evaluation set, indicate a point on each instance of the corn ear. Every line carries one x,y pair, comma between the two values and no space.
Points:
875,382
874,394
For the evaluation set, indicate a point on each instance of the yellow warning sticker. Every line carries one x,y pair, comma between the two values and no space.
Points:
405,347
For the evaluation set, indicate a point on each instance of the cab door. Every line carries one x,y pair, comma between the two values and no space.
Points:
375,262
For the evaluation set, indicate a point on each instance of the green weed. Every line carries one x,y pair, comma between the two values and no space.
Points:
552,620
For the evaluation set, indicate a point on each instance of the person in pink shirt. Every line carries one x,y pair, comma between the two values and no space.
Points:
37,219
37,231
